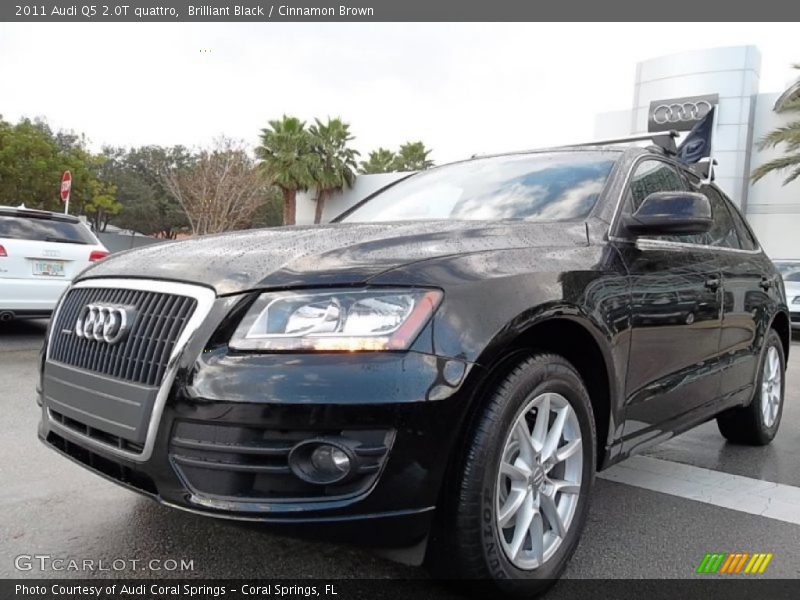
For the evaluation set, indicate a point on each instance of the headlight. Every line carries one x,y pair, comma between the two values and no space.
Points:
335,320
796,300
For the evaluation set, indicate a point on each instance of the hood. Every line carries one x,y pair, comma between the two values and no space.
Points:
335,254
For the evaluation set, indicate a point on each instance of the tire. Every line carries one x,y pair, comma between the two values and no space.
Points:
470,542
753,424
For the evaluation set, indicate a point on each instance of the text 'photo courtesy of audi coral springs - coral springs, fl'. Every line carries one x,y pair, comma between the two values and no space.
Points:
449,362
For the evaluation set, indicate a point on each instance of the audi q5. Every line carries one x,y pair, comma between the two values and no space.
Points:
445,366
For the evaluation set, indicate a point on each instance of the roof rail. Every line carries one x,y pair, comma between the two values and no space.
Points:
663,139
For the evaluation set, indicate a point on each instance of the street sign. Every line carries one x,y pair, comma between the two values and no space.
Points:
66,185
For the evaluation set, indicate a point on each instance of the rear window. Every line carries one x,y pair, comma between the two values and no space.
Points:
44,230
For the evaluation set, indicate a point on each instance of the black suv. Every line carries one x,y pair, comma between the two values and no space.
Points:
451,360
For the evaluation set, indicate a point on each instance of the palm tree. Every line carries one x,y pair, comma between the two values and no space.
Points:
413,156
288,159
336,163
789,135
379,161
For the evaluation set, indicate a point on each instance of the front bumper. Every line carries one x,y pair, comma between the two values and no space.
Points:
222,439
794,317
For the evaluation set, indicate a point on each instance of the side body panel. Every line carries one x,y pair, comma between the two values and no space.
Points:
676,316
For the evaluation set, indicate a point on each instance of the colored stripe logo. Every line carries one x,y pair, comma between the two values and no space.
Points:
733,563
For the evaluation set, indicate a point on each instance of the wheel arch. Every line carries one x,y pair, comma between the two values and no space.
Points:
572,336
563,332
782,325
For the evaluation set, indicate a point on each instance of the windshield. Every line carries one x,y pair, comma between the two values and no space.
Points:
533,187
44,230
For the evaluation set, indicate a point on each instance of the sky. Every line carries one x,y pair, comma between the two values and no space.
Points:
461,88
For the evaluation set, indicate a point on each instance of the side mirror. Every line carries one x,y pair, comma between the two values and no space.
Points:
664,213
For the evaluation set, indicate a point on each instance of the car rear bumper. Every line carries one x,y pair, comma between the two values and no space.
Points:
31,297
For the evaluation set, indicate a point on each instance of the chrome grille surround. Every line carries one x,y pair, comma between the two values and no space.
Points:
204,298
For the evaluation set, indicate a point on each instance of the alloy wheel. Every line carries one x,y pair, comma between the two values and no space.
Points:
539,480
771,387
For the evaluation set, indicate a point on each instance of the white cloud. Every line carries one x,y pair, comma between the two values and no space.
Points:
461,88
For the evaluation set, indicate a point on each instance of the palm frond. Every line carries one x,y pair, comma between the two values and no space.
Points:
788,134
777,164
792,176
792,105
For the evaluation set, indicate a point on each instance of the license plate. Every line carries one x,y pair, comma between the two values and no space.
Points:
48,268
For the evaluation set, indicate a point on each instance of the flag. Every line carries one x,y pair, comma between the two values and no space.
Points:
697,144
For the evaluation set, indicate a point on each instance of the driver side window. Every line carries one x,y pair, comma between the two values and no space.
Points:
652,176
655,176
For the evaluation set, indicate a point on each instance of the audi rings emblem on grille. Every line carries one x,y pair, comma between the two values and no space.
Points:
107,323
683,111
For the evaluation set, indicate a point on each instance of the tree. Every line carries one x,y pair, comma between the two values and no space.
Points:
138,174
288,160
413,156
270,213
335,166
101,205
789,136
221,190
32,160
379,161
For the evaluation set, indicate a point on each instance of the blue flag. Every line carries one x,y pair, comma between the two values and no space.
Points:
697,144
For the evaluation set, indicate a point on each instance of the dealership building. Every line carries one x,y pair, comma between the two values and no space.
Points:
675,92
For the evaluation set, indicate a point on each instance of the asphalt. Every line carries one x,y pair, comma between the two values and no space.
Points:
50,506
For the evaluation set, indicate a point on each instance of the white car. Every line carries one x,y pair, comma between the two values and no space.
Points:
790,271
40,253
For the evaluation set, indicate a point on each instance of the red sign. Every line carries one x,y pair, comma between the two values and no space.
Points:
66,184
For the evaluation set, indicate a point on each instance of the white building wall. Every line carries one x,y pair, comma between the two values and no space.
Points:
773,209
731,72
743,117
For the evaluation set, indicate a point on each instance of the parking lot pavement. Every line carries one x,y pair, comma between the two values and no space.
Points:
50,506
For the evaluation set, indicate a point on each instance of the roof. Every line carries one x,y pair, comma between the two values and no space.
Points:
662,142
21,211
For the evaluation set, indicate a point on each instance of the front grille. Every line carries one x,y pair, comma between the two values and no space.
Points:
250,464
143,355
109,468
795,317
96,434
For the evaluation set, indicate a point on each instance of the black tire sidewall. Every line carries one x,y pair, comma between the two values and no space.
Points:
768,433
551,376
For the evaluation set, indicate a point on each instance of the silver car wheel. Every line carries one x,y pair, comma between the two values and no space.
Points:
771,387
539,480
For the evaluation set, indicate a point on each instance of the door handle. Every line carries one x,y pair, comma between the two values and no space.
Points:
713,283
766,283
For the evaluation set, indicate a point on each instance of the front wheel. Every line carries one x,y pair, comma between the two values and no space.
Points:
525,482
757,424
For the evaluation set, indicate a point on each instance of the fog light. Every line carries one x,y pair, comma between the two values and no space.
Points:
321,461
330,460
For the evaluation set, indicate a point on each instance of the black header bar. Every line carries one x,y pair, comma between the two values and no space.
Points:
399,10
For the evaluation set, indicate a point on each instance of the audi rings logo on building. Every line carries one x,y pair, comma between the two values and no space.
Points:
104,323
683,112
680,114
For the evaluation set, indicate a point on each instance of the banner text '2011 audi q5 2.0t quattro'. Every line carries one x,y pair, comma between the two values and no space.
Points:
450,361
